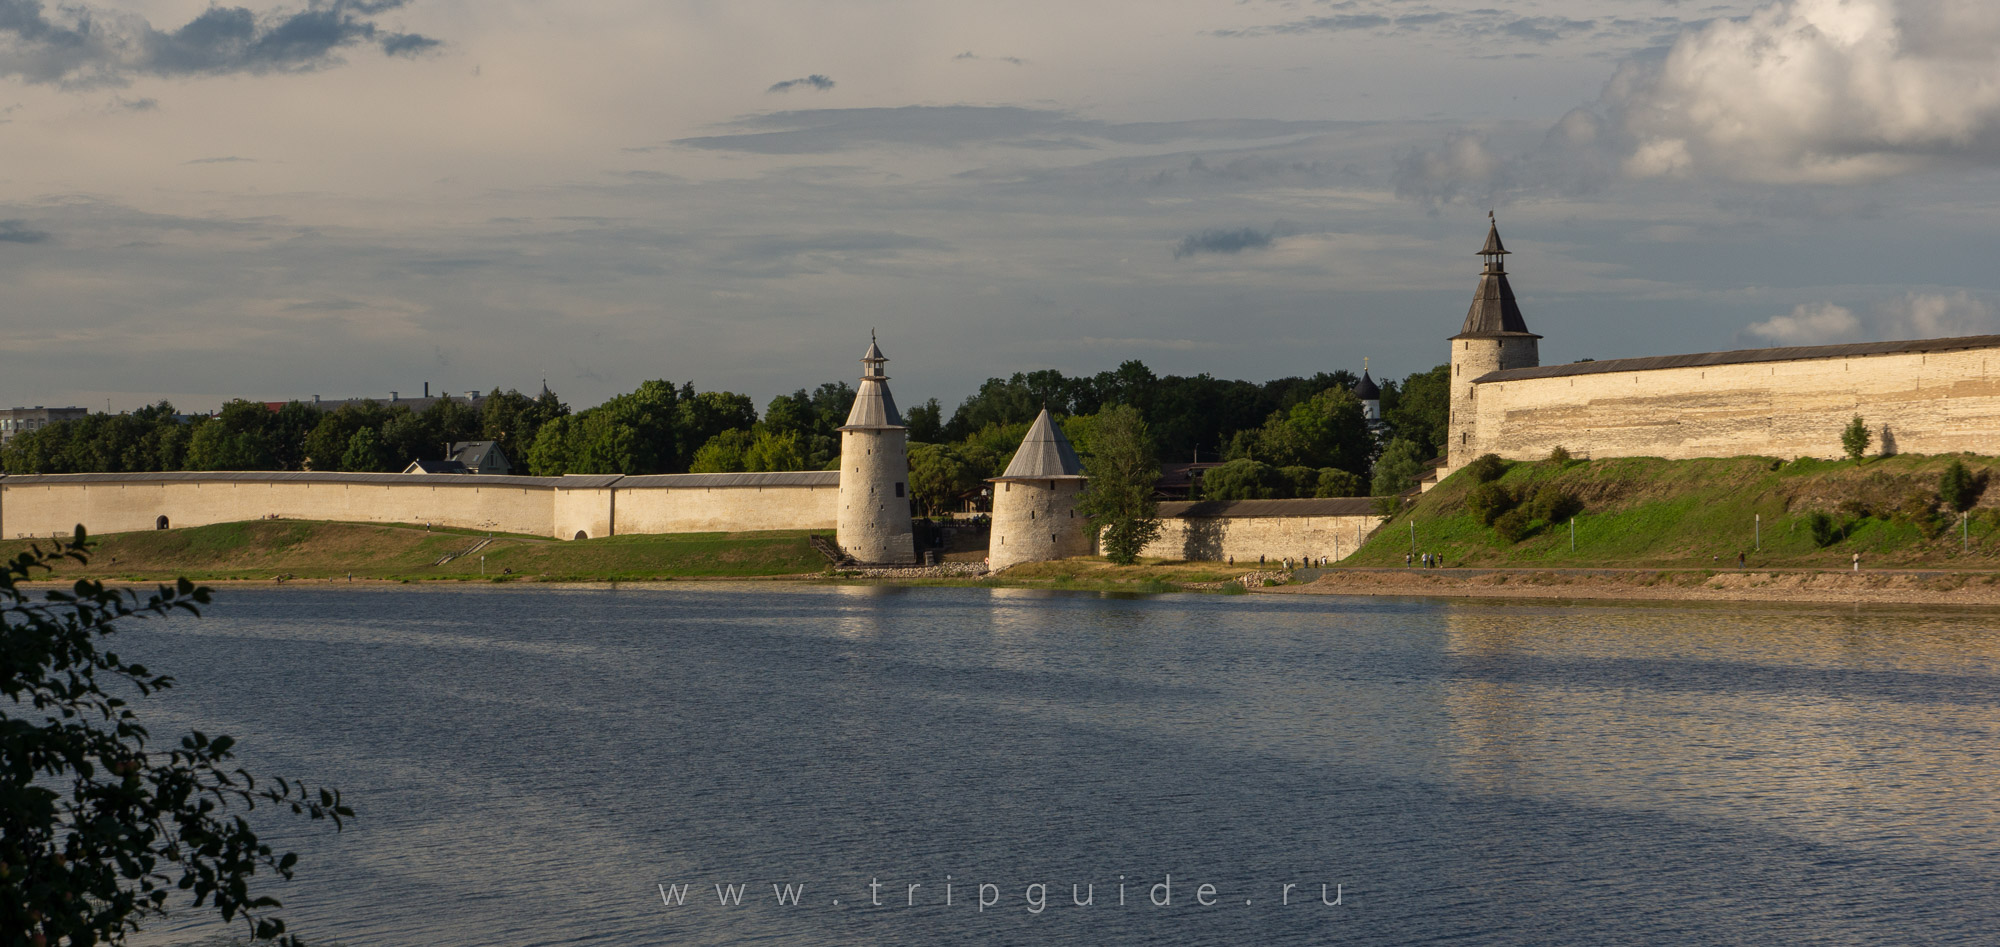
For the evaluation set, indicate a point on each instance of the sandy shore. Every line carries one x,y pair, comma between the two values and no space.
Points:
1913,587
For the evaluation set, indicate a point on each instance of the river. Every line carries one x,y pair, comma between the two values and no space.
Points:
536,766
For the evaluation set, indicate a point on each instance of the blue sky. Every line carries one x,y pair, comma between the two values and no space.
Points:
356,196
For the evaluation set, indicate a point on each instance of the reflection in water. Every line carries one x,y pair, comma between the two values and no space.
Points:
529,764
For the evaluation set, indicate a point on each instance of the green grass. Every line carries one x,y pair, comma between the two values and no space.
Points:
267,549
1701,513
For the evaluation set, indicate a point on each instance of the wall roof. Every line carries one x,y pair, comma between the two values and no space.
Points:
1330,506
1742,356
786,478
587,481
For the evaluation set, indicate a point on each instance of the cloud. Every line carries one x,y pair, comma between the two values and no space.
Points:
1818,91
222,159
969,55
81,47
815,80
17,231
1935,315
1224,240
1471,166
823,131
1815,324
1475,25
1913,316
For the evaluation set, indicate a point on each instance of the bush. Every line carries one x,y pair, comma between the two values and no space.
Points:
1488,468
1959,488
1335,482
1513,526
1488,502
1920,508
1553,504
1560,456
1854,439
1824,529
1297,482
1858,509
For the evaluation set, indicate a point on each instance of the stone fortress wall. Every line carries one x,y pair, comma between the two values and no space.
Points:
1928,397
561,507
1242,530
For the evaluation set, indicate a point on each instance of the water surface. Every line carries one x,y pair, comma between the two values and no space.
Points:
530,765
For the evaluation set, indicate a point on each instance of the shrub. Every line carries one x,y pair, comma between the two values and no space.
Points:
1488,502
1487,468
1297,481
1513,526
1553,504
1824,530
1854,439
1920,508
1560,456
1335,482
1959,488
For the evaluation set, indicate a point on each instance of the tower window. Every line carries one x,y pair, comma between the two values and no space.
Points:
899,489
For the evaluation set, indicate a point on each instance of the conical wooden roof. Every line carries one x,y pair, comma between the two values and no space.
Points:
1045,454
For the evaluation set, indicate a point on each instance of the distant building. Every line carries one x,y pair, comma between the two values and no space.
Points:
19,420
471,398
1179,481
466,457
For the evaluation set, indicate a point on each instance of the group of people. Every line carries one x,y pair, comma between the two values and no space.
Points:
1428,560
1303,562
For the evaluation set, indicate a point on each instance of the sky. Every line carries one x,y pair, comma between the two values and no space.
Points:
351,197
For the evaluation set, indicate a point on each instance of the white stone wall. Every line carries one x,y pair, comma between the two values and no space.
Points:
1471,358
1914,402
1219,538
727,509
874,515
1036,521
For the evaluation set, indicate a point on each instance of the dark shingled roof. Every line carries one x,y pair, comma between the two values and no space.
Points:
1366,389
315,476
1494,311
785,478
1331,506
1743,356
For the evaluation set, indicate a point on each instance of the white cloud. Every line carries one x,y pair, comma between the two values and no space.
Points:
1815,324
1935,315
1818,91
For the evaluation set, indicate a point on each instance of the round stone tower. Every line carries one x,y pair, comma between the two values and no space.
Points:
1034,502
874,522
1494,337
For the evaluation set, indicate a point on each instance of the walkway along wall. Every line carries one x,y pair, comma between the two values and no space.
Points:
563,507
1924,397
1216,531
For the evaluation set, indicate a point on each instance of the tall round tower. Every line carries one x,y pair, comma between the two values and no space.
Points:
874,521
1034,502
1494,337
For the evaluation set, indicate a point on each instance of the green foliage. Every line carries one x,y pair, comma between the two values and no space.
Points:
1854,439
240,437
97,827
1920,509
1486,469
1488,502
926,422
1419,409
1959,488
365,452
1513,525
1399,467
1240,480
939,474
148,439
724,453
1560,456
771,451
1550,503
1823,528
1118,500
1334,482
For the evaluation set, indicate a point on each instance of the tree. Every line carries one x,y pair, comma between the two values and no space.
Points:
724,453
1959,488
1242,479
925,421
1118,500
1419,409
938,475
97,828
1397,470
1854,439
365,452
774,451
1334,482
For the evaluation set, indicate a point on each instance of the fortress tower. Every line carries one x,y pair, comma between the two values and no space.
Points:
873,525
1034,502
1369,394
1494,337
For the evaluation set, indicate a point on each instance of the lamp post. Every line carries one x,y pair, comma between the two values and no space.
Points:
1758,536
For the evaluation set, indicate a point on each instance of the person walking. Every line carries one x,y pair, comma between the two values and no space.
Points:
1857,562
1739,560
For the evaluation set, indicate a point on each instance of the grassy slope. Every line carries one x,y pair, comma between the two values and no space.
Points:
263,549
1695,513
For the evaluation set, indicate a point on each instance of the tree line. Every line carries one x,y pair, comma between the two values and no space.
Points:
1298,436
